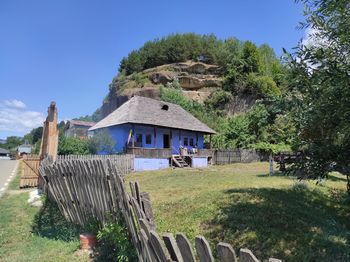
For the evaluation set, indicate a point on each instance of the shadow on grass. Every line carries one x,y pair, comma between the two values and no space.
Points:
293,225
50,223
275,173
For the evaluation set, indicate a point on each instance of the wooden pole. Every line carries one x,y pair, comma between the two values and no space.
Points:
271,165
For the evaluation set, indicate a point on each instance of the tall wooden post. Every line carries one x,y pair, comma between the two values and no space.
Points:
49,142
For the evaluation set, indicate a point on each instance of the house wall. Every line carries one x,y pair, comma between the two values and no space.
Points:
76,131
142,164
199,162
120,135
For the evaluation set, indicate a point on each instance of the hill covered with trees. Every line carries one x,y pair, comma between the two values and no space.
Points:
234,86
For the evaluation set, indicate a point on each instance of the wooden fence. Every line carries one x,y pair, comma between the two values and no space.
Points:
125,163
229,156
30,173
95,188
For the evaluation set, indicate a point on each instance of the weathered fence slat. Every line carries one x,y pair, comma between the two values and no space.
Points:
184,247
203,250
226,253
172,247
245,255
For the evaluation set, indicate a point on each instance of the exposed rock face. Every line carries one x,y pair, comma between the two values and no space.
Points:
162,77
197,80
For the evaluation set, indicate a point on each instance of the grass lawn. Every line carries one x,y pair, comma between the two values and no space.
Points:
240,204
34,234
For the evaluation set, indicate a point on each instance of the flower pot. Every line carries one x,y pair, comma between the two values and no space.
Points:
87,241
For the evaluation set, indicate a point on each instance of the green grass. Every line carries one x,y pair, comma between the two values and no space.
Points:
14,184
241,205
34,234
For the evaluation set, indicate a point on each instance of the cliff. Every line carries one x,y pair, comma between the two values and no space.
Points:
197,81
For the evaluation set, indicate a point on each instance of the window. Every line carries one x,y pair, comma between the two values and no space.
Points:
139,138
148,139
191,141
185,141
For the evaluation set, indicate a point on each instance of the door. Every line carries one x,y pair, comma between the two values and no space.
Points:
166,141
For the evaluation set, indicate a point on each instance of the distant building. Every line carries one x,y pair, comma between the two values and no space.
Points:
2,141
77,128
24,149
157,133
4,153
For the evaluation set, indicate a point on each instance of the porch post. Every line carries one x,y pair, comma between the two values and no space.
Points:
171,140
133,137
155,137
210,141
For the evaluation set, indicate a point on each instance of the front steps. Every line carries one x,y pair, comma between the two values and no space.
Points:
179,161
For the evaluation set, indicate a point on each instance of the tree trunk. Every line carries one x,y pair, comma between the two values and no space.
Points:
271,165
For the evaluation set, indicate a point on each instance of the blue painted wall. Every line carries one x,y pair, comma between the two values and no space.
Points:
199,162
142,164
120,135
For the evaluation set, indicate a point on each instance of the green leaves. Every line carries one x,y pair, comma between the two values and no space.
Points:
320,80
73,146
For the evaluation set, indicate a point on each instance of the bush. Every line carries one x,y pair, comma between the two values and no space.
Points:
218,100
73,146
261,86
114,243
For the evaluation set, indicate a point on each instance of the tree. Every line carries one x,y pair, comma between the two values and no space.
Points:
251,58
34,135
102,142
320,90
12,142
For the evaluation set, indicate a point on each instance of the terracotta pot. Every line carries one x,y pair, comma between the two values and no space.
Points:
87,241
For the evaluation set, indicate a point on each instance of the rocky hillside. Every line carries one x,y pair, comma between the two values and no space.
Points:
196,80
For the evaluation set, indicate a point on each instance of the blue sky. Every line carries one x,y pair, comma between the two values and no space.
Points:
69,51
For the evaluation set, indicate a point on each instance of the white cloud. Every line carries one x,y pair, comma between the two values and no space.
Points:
14,104
15,117
313,37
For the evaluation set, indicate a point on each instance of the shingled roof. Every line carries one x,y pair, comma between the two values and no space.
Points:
147,111
81,123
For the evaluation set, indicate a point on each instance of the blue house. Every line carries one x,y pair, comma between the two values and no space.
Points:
158,133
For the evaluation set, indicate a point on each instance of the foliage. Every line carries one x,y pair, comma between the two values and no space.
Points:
271,148
101,142
12,142
251,58
261,86
34,135
263,123
320,89
114,243
73,146
174,84
95,117
218,100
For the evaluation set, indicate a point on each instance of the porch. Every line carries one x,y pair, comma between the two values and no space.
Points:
166,152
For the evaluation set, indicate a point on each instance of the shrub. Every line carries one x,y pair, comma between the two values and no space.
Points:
73,146
114,243
261,86
218,100
174,84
